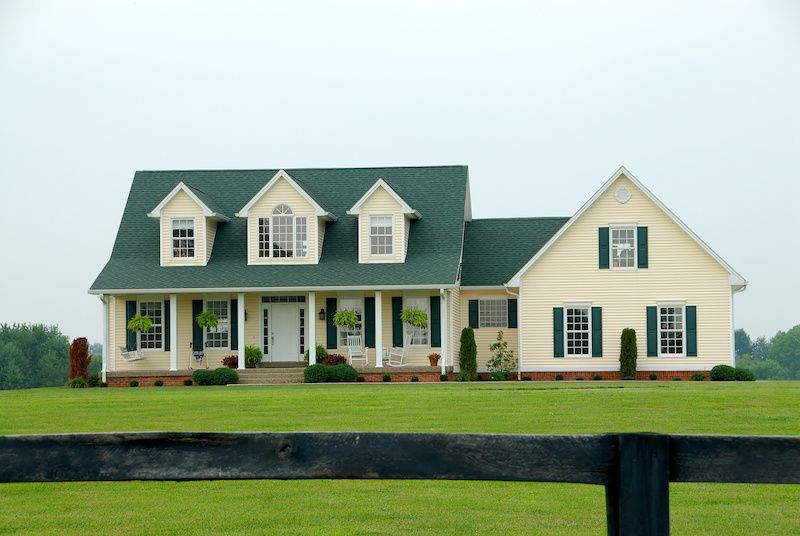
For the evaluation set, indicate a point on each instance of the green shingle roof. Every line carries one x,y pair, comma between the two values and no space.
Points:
495,249
206,199
434,246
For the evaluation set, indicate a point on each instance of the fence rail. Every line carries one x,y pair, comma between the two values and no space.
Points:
635,469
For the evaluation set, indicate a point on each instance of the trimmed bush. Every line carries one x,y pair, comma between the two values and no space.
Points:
723,373
158,383
628,354
77,383
103,384
414,378
559,377
527,379
252,356
224,376
462,376
498,376
94,380
231,361
387,377
653,376
468,354
187,382
698,377
315,373
444,378
361,379
579,379
676,379
597,377
203,377
342,373
744,375
134,383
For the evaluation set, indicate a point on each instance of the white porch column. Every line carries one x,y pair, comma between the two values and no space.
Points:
311,329
173,332
445,327
104,368
240,329
378,328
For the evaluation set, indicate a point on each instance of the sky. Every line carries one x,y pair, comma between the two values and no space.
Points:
542,100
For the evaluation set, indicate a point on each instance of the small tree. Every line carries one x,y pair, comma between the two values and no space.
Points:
79,359
628,354
468,354
503,363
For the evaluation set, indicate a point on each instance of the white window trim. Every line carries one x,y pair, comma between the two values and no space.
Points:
271,217
578,305
369,237
207,348
406,339
492,298
362,332
150,299
175,261
676,304
619,227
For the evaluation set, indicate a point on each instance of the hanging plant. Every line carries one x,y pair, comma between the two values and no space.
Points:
346,318
414,317
207,319
140,323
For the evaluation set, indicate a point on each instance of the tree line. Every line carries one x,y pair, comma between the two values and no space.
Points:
777,358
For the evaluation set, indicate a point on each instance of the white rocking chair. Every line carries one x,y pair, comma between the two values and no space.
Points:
131,355
355,349
397,357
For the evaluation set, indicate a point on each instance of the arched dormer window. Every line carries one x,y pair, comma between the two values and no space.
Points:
282,235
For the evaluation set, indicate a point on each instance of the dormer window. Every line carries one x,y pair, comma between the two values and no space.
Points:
380,235
183,238
283,235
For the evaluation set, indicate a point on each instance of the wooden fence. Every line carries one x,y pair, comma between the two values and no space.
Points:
635,469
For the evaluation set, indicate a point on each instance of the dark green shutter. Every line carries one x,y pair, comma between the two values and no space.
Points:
436,322
332,339
691,331
597,332
197,331
641,246
234,325
603,249
512,313
369,322
558,332
473,314
130,336
652,333
167,326
397,324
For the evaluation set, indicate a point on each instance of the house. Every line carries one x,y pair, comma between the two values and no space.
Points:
275,253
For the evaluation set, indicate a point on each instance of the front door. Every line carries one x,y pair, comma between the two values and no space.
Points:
284,332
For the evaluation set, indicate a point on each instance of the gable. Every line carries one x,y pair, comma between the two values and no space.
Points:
380,192
287,186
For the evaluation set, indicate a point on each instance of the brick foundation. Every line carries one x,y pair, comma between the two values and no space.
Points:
404,376
661,375
147,381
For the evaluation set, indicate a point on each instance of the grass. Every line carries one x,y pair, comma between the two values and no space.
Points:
392,507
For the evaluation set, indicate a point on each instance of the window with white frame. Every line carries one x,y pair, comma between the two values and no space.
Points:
577,331
283,234
381,235
493,312
418,336
263,237
153,339
351,304
218,337
671,335
623,247
301,236
183,238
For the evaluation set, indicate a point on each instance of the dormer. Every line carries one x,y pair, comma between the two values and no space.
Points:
188,224
384,224
285,224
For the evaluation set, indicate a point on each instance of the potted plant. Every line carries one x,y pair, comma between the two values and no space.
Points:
414,317
208,320
140,324
346,318
434,359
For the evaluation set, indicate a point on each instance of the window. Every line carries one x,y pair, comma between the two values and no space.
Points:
671,330
353,304
282,235
218,337
265,330
301,236
493,313
302,331
263,237
183,239
283,232
380,235
623,247
418,336
577,331
152,340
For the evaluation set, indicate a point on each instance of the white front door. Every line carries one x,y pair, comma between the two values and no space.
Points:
284,328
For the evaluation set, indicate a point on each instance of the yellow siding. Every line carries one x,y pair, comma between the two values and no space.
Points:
679,269
381,203
455,325
485,337
281,192
320,237
183,206
211,230
153,360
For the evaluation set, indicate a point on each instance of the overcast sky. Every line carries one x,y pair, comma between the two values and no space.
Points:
700,100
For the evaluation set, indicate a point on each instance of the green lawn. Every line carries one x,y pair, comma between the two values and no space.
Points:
392,507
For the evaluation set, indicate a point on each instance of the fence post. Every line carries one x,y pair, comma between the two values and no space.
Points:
637,500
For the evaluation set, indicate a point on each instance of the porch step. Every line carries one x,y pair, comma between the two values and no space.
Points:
282,364
271,375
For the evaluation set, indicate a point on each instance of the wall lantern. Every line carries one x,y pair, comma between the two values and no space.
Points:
322,314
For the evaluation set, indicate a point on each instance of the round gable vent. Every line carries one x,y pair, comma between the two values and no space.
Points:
622,194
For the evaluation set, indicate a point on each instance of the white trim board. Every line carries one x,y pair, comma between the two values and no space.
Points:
738,282
182,187
234,290
380,183
281,174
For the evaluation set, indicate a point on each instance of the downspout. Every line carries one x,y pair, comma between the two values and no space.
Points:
519,336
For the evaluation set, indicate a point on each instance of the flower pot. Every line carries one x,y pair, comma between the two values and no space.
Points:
434,361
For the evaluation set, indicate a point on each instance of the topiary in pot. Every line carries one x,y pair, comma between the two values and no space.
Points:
468,355
628,354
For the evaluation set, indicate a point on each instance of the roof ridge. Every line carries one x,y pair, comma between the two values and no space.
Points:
521,218
303,168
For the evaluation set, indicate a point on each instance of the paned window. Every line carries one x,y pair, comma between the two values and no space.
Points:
623,247
282,232
183,238
418,336
263,237
301,236
380,235
577,331
218,337
302,331
353,304
671,330
265,331
282,235
153,339
493,313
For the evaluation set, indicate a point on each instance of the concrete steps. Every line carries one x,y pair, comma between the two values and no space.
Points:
261,376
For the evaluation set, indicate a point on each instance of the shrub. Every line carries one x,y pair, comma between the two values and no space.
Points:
559,377
361,379
723,373
387,377
224,376
134,383
462,376
315,373
158,383
252,356
77,383
103,384
94,380
698,377
203,377
503,363
414,378
676,379
597,377
579,379
498,376
527,378
444,378
321,353
628,354
187,382
342,373
79,359
744,375
333,359
231,361
653,376
468,354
